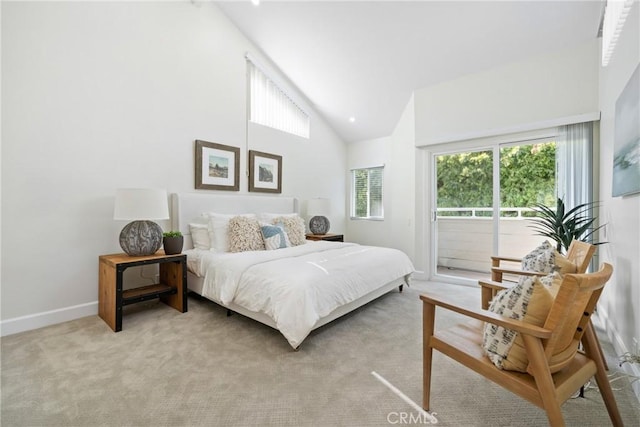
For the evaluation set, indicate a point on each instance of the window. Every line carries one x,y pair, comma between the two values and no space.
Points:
270,105
366,201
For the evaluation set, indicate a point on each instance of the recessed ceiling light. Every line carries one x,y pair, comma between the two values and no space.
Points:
255,2
352,119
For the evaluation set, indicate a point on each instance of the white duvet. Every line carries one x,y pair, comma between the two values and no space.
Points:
297,286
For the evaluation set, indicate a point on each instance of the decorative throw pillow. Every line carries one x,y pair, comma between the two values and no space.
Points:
200,236
541,259
219,229
529,301
274,237
245,234
563,265
294,227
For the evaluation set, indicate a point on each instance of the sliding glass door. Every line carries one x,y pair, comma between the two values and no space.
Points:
463,211
482,200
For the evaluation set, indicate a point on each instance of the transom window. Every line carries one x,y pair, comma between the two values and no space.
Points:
271,106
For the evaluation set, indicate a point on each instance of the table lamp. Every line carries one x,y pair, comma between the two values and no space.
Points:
141,205
319,208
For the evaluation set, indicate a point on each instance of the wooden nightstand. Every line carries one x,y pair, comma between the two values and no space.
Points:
172,289
329,236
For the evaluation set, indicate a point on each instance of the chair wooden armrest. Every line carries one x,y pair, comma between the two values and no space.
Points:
495,260
487,316
488,290
497,272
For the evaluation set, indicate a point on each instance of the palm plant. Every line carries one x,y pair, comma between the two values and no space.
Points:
563,226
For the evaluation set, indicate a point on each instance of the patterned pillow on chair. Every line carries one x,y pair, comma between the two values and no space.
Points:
529,301
542,259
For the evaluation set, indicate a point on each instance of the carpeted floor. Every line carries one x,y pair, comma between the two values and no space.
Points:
203,368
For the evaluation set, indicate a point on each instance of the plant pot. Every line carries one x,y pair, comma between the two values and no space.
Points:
173,245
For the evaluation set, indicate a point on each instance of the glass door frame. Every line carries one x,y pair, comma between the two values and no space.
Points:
431,153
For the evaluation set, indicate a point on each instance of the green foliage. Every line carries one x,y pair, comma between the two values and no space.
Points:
527,177
563,226
465,180
172,234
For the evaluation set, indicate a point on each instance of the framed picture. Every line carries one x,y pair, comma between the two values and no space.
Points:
265,172
217,166
626,144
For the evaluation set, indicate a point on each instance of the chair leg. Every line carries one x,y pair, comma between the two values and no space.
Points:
540,371
604,361
428,323
593,351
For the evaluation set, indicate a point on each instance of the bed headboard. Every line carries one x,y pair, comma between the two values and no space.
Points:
187,208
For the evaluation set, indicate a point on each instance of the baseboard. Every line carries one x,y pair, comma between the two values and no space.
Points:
47,318
601,318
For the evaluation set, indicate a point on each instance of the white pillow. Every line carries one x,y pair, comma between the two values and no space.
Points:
200,236
219,230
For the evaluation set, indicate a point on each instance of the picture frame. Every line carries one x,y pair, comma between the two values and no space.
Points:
217,166
265,172
626,145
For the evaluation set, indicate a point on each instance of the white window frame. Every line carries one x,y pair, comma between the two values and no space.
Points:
270,105
353,215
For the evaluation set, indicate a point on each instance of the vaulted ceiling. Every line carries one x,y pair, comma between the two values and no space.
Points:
363,59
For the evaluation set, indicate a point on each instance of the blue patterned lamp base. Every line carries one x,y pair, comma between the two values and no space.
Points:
319,225
140,238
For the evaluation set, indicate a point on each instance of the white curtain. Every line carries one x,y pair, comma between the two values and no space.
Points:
574,172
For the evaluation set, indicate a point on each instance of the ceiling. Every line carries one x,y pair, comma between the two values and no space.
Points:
363,59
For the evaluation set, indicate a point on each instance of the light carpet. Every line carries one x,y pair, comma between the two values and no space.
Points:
203,368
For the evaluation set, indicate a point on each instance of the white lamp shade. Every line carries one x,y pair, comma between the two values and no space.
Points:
318,207
140,204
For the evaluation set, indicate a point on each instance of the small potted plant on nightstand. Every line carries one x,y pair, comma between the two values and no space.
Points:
172,242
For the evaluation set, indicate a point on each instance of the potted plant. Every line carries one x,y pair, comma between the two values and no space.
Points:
563,227
172,242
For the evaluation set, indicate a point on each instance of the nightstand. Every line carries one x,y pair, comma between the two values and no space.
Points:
329,236
171,289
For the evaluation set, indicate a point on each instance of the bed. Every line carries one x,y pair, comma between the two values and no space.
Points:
293,289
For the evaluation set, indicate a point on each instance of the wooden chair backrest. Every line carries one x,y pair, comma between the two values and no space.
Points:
575,301
580,253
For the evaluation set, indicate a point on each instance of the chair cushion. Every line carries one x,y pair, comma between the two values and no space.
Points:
529,301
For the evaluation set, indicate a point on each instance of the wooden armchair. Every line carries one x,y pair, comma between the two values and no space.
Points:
556,369
579,253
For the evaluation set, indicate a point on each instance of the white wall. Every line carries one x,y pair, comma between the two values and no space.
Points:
540,92
620,301
397,153
508,98
98,96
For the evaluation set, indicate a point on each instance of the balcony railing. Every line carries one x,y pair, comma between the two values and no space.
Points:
465,237
518,213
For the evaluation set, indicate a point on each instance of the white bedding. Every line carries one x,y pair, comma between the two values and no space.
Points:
296,286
